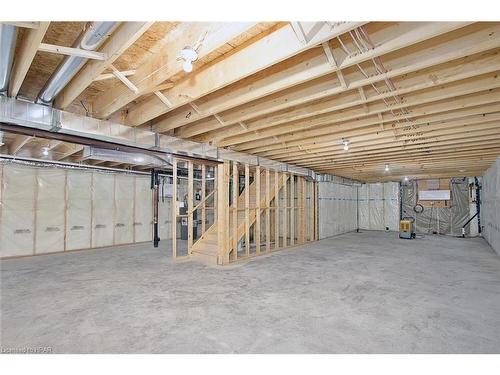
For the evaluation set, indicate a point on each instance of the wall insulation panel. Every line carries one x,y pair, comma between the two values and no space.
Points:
47,209
124,209
336,208
50,210
143,209
18,211
102,215
379,206
490,214
78,210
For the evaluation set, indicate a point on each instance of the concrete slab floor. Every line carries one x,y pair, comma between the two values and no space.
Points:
355,293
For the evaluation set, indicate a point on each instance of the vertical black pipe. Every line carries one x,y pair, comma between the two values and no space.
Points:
478,204
154,186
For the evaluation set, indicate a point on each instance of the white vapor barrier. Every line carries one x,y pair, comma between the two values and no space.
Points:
336,208
490,214
165,218
379,206
124,209
102,216
78,209
143,209
50,209
50,206
18,211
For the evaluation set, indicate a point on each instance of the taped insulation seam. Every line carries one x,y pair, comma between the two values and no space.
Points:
490,209
337,206
378,205
46,210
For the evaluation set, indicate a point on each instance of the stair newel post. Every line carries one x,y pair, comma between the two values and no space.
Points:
223,212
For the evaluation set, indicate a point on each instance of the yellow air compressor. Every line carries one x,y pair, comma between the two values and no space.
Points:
407,228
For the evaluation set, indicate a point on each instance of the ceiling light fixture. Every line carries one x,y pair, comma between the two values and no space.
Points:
387,168
406,178
188,55
345,142
45,151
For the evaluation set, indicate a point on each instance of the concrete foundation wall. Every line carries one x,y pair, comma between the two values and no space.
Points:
336,208
45,209
490,214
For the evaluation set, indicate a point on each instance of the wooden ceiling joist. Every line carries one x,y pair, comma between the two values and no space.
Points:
300,129
163,64
418,81
307,69
27,50
423,97
269,50
119,42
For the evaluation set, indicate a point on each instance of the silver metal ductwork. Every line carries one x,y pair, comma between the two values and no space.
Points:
8,38
137,158
42,118
95,35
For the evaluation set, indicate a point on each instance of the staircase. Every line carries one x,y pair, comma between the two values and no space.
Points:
206,248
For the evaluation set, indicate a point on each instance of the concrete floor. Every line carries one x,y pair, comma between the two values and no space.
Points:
367,293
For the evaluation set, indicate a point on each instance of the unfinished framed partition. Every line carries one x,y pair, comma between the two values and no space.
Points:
194,197
268,210
233,211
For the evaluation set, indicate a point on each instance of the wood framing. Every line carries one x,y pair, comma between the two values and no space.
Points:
70,51
258,202
268,210
190,206
247,210
174,208
235,210
27,51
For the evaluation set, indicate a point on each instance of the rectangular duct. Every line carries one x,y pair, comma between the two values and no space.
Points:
36,116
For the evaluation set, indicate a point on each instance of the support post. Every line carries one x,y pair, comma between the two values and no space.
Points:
203,195
190,206
292,210
268,212
235,211
257,210
276,210
247,210
223,213
174,208
285,209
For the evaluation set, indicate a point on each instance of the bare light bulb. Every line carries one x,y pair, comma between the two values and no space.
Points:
45,151
346,147
387,167
187,66
406,179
